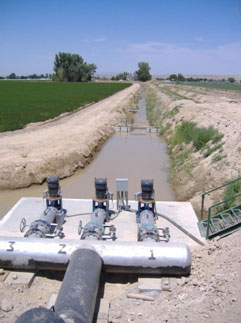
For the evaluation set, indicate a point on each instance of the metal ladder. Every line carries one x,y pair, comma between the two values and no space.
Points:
223,222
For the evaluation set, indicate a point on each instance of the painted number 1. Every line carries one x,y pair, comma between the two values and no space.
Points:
152,255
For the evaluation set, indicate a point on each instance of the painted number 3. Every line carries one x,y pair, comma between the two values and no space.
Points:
11,243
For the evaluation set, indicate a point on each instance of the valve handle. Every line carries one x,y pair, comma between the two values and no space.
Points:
80,227
23,225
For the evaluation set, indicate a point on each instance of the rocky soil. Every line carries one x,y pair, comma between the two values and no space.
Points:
60,146
210,294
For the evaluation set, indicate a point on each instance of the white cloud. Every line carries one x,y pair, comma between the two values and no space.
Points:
170,57
100,40
199,39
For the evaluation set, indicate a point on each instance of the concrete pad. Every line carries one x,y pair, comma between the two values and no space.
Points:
125,223
165,284
20,278
183,214
103,313
149,285
52,300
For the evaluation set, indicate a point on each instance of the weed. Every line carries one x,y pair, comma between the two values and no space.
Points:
164,129
170,114
188,168
188,132
209,150
218,157
180,158
230,191
152,110
174,96
183,133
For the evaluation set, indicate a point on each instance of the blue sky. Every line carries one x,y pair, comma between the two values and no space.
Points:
186,36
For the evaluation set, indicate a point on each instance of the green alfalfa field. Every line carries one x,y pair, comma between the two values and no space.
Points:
216,85
23,102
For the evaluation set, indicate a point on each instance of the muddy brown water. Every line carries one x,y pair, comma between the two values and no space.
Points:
133,156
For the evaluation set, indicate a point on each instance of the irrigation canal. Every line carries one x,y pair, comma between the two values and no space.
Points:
133,155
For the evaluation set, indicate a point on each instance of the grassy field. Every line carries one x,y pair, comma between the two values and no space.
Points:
22,102
219,86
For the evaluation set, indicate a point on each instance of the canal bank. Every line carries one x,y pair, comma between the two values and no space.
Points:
129,155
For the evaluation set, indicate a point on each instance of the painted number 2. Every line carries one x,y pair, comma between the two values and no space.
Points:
61,251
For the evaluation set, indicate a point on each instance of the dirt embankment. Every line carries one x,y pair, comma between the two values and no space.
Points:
199,171
60,147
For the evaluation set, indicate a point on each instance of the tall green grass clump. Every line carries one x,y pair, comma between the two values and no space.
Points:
199,136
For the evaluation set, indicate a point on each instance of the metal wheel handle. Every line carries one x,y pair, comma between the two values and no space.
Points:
22,224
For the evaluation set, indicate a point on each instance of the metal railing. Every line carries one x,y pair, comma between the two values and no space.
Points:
216,205
213,190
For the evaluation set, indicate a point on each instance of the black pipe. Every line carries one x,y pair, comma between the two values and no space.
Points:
77,296
39,315
176,225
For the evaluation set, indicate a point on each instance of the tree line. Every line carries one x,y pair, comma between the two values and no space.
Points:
179,77
13,76
72,68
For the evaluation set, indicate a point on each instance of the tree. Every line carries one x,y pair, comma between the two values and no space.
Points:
143,74
173,77
72,68
121,76
12,76
180,77
231,79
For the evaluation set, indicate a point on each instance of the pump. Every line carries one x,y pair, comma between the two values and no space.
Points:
95,229
51,221
146,215
84,260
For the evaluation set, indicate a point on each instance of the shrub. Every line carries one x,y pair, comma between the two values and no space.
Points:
188,132
204,135
164,129
210,150
218,157
230,191
183,133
